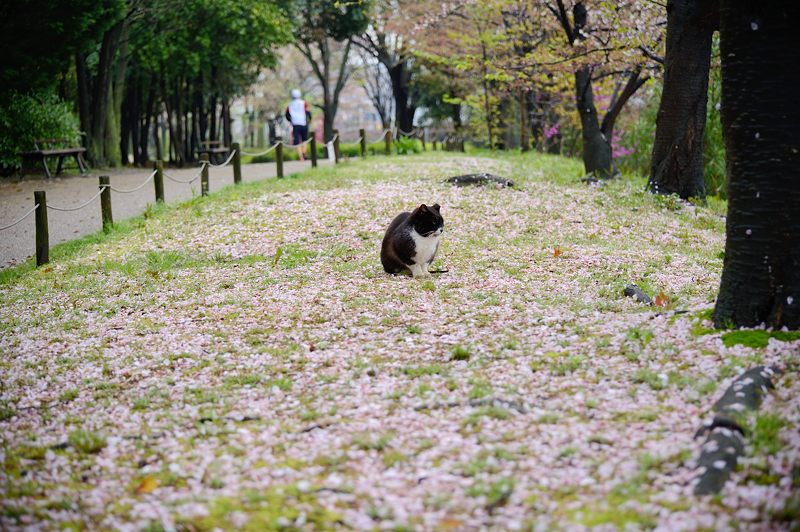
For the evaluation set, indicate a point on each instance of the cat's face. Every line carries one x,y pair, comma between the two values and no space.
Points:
428,221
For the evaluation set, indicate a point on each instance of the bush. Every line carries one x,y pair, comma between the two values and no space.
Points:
27,117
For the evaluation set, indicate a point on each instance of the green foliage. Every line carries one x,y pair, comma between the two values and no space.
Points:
87,442
713,143
39,39
405,145
757,338
318,19
27,117
460,352
765,433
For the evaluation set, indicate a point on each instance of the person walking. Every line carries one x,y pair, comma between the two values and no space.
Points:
299,116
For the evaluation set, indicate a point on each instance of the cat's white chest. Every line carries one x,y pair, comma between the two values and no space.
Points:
425,246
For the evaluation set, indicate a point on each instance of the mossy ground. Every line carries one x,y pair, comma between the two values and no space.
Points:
243,361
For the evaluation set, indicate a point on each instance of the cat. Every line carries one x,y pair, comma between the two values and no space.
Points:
412,240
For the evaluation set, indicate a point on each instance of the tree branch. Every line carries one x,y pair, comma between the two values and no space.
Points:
633,84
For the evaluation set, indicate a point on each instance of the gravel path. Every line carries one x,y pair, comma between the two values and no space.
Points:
16,198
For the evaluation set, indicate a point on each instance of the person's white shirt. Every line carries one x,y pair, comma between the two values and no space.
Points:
297,112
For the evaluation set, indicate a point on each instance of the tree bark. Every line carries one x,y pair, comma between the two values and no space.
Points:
597,159
101,97
761,126
677,161
404,108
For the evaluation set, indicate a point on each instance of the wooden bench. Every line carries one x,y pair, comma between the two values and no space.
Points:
44,148
215,149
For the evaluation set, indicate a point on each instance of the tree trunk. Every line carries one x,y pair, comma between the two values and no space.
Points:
597,158
227,137
761,126
101,97
677,161
82,78
403,108
524,135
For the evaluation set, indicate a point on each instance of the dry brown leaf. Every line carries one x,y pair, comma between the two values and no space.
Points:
662,299
557,252
148,485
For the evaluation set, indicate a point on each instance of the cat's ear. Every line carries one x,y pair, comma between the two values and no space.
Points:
436,207
422,208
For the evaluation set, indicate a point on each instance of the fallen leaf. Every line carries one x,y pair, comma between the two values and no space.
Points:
662,300
148,485
557,252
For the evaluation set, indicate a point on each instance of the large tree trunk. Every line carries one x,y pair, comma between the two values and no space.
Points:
101,96
403,107
597,159
761,125
677,161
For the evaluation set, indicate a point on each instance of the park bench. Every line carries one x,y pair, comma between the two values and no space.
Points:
214,148
44,148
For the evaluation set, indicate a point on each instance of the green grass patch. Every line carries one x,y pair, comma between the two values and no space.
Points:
757,338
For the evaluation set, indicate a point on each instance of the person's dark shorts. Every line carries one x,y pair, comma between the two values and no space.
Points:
299,134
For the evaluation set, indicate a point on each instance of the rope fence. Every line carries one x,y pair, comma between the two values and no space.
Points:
40,208
12,224
81,206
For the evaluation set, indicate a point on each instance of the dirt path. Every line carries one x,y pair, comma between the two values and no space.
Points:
16,198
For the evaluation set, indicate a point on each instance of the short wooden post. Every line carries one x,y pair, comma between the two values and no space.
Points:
363,134
158,180
422,137
313,148
204,174
105,203
336,153
237,160
42,233
433,145
461,144
387,139
279,155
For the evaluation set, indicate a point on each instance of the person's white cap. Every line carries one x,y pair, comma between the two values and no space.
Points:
295,93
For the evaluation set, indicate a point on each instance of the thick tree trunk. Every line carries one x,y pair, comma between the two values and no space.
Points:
677,161
403,108
101,96
761,125
597,159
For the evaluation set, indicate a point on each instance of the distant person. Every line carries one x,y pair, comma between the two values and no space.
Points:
299,116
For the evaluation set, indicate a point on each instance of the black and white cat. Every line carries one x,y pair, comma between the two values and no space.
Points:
412,240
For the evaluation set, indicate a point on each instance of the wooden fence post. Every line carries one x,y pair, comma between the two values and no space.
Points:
279,156
336,153
363,134
433,145
158,180
42,233
387,139
422,137
313,148
204,174
105,203
237,159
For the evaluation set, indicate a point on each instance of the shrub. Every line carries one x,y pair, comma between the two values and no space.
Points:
27,117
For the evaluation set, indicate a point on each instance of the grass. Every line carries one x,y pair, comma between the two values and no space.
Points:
248,353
